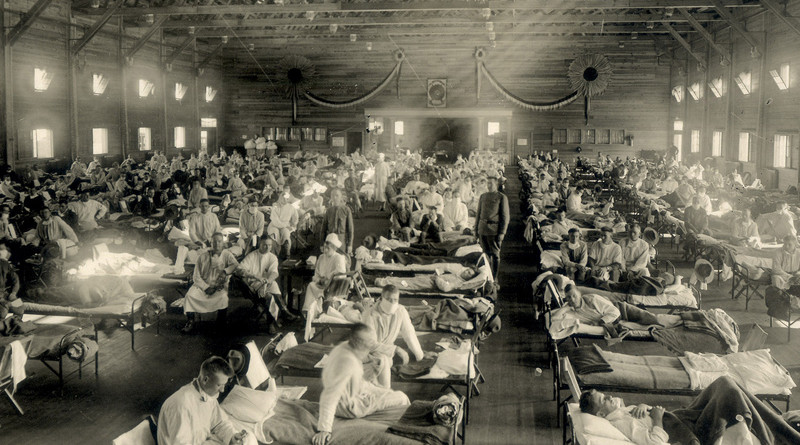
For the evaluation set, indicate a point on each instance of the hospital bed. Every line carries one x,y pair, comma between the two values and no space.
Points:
303,361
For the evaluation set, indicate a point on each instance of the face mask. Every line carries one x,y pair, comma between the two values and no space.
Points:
389,308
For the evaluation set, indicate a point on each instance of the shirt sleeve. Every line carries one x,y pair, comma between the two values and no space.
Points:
608,312
220,426
197,278
335,386
67,230
638,433
410,336
179,423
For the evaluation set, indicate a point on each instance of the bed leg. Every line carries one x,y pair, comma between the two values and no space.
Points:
97,364
14,402
61,374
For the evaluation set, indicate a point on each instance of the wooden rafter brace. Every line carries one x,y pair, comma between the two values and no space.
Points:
706,35
142,41
178,51
26,21
96,26
684,44
738,27
201,66
780,13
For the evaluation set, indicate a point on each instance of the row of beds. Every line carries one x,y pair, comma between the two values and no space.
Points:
755,368
300,361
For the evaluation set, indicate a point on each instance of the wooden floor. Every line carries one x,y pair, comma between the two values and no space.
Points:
515,405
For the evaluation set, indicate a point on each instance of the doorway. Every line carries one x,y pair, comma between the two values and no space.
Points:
354,140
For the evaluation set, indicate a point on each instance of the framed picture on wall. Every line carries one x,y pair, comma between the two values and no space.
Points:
294,134
320,134
308,133
280,134
337,141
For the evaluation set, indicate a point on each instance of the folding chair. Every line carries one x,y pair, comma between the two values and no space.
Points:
6,377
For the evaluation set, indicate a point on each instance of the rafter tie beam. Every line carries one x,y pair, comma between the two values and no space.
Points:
791,22
684,44
142,41
179,50
27,20
96,26
210,56
706,35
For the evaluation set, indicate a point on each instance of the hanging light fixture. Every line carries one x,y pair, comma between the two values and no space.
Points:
333,27
490,26
191,30
149,19
486,13
310,15
369,46
95,4
251,46
224,39
353,37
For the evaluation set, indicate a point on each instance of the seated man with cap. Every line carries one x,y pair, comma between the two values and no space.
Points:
251,225
345,392
431,226
209,291
635,252
330,263
203,225
605,257
574,256
455,214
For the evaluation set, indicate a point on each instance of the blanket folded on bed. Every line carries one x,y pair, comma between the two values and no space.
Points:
713,322
419,422
88,293
303,356
446,409
588,359
82,348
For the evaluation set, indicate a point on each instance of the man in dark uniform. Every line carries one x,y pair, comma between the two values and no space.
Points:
492,223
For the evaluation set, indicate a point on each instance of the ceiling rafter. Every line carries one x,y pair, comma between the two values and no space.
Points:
737,26
684,44
26,21
706,35
95,28
780,13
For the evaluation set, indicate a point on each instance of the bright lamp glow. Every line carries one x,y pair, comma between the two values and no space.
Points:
781,77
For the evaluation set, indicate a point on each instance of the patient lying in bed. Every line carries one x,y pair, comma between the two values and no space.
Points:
468,279
724,412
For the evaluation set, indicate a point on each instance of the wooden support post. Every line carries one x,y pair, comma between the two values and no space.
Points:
164,94
728,137
705,135
763,78
124,129
27,20
5,155
73,93
196,99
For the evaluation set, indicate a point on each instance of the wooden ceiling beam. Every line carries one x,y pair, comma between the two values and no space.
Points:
442,5
737,26
172,57
706,35
210,56
412,21
95,28
684,44
26,20
780,13
324,37
142,41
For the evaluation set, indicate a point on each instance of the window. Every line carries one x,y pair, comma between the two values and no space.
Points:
180,91
677,141
399,128
677,93
146,88
375,125
716,87
493,128
211,93
41,79
99,141
744,82
204,140
208,122
42,143
677,125
590,136
573,136
180,137
782,154
617,136
145,139
781,77
716,143
99,84
559,135
603,136
320,134
696,91
695,142
745,146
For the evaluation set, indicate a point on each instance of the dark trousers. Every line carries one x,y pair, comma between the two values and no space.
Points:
491,248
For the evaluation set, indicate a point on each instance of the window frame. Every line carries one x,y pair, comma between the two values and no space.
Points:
147,138
716,148
103,143
182,138
35,143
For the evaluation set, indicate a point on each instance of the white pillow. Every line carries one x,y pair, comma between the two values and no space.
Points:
598,426
249,405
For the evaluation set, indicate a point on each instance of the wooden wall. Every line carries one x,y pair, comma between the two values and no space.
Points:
767,110
45,46
634,102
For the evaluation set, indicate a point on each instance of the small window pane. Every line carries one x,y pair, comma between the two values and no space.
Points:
320,135
493,128
559,136
574,136
145,141
41,79
208,122
744,146
180,137
782,154
590,136
677,125
677,141
146,88
617,136
695,147
399,128
180,91
204,140
99,84
99,141
42,143
716,143
603,136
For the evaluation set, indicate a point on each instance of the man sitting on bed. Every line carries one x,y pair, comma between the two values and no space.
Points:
330,263
431,226
745,230
259,271
203,225
724,410
575,255
209,291
345,393
192,414
636,252
786,264
605,257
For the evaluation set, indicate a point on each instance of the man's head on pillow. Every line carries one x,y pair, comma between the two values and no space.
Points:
572,296
599,404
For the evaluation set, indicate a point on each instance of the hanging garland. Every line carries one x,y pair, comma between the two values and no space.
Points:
589,76
526,104
359,100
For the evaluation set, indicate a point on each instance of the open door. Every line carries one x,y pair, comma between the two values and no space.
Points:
354,141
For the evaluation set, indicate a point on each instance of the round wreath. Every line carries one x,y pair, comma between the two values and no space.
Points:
589,75
300,73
